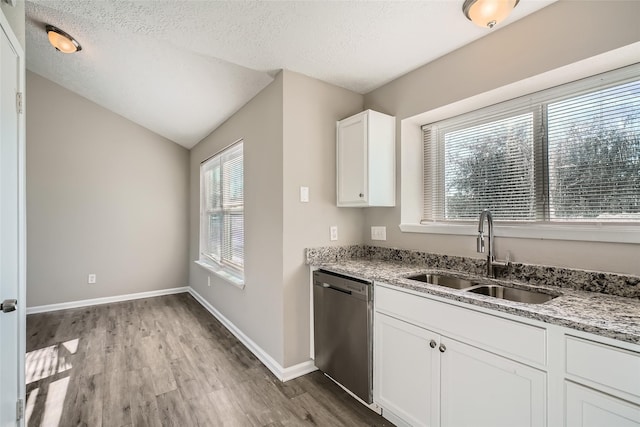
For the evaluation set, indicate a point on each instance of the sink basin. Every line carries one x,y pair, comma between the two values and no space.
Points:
512,294
442,280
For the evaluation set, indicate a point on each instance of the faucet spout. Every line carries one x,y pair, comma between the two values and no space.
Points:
485,215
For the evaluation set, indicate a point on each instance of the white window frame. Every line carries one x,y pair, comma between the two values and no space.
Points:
411,138
223,268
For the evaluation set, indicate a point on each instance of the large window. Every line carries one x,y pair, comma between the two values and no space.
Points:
222,213
568,154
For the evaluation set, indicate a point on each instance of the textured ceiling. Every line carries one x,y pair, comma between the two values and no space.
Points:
180,68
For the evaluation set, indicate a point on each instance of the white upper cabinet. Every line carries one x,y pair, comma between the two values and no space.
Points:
366,160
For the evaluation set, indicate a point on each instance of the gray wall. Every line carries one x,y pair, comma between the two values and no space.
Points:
16,17
560,34
289,141
104,196
311,109
256,309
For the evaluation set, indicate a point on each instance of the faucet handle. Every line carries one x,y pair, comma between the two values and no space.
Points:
480,243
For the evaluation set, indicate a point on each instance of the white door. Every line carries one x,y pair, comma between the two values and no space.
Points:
12,319
352,161
589,408
481,389
406,376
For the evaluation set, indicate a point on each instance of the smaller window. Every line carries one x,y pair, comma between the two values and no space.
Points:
222,213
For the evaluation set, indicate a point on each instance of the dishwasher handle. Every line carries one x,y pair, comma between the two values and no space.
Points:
348,286
336,288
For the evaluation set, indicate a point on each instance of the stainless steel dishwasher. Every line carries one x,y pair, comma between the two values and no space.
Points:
342,325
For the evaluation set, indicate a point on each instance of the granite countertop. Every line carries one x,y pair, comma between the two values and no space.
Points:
611,316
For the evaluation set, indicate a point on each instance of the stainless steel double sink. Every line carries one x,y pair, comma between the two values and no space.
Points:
496,291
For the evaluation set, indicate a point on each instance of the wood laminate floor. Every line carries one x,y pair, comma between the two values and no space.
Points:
165,361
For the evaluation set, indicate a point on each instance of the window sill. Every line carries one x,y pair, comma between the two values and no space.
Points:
575,232
225,275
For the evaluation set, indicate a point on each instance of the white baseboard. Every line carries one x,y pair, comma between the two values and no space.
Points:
282,373
104,300
396,420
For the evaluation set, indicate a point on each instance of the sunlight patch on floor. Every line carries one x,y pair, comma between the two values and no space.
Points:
55,402
31,403
48,361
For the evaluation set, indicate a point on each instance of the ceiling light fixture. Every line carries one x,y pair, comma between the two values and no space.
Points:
488,13
62,41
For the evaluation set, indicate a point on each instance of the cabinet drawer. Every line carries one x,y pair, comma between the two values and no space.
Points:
604,365
506,337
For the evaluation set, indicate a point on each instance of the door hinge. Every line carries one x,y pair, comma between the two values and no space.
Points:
19,102
19,409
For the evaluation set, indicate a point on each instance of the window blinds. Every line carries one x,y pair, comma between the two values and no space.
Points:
486,165
222,208
571,153
594,155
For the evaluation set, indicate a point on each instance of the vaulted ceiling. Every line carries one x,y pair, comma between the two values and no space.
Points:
181,68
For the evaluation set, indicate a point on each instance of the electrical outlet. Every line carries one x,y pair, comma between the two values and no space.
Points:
304,194
378,233
334,232
91,279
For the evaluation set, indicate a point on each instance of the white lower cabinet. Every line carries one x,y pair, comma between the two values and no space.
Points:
478,388
425,379
407,371
602,384
586,407
442,363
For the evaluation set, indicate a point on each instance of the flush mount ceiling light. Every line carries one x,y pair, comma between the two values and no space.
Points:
487,13
62,41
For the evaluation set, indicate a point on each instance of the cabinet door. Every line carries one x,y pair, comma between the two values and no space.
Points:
352,161
479,389
406,371
588,408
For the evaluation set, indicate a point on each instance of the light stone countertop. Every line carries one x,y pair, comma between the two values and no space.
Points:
605,315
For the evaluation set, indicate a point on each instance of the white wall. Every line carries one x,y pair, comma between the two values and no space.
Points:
16,17
556,36
104,196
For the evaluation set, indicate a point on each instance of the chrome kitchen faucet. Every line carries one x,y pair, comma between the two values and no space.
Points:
491,260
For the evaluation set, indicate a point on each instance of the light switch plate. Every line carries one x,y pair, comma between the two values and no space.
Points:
334,232
378,233
304,194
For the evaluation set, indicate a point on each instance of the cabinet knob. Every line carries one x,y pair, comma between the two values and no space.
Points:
442,348
433,344
361,195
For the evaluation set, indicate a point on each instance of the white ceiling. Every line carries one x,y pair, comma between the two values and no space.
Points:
180,68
